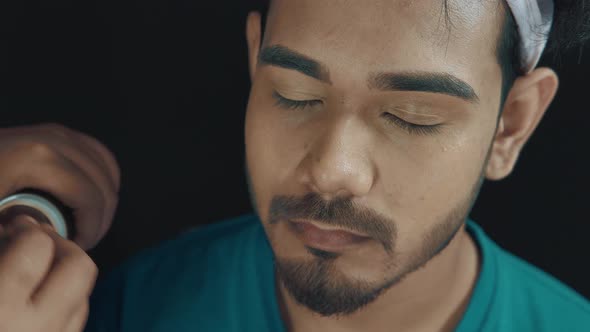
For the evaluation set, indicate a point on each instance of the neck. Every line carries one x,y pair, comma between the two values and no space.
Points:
432,298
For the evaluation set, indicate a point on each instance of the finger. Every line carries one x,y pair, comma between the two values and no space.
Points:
78,320
69,281
100,177
69,142
95,150
106,155
97,162
17,222
25,259
84,151
88,161
46,169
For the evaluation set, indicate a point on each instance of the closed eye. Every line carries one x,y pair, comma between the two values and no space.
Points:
291,104
410,127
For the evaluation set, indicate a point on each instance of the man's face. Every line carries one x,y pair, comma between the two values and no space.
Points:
375,117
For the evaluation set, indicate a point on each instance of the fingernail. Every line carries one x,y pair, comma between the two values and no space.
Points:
47,227
20,222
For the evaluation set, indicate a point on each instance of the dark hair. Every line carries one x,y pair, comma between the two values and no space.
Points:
570,29
571,25
508,54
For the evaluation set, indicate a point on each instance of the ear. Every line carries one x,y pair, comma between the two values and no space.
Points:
253,37
525,105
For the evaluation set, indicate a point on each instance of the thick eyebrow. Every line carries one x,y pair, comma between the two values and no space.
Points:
281,56
434,82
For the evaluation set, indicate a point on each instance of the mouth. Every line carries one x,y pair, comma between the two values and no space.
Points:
324,237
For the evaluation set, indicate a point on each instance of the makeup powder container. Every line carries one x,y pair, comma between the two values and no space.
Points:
42,207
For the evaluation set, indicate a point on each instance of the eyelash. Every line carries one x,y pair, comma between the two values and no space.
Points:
409,127
412,128
293,104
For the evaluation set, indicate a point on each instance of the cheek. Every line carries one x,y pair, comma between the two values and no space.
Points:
426,184
271,152
256,134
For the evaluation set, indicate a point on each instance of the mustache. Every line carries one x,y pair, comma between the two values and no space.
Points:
341,212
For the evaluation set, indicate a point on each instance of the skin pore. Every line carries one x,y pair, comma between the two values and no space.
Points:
373,116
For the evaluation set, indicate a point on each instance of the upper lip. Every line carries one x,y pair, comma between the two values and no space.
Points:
329,227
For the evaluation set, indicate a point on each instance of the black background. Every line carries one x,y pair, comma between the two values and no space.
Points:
164,84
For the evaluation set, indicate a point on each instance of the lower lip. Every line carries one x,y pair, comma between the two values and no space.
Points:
329,240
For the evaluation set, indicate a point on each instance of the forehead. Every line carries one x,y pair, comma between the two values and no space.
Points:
374,35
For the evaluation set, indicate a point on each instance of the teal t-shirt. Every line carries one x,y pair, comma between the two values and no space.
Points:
220,277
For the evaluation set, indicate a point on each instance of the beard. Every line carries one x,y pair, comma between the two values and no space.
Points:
322,288
318,285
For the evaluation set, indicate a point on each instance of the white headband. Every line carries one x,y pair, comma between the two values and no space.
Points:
534,19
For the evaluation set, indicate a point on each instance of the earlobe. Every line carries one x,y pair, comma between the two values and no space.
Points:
253,38
525,105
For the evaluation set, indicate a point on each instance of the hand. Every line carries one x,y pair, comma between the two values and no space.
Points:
74,167
45,280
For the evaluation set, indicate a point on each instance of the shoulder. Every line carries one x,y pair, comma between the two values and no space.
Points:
191,244
555,305
169,282
527,298
195,250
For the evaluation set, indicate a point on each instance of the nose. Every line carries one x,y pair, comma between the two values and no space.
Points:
338,162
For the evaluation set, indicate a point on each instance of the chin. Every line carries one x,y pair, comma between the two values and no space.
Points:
321,286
